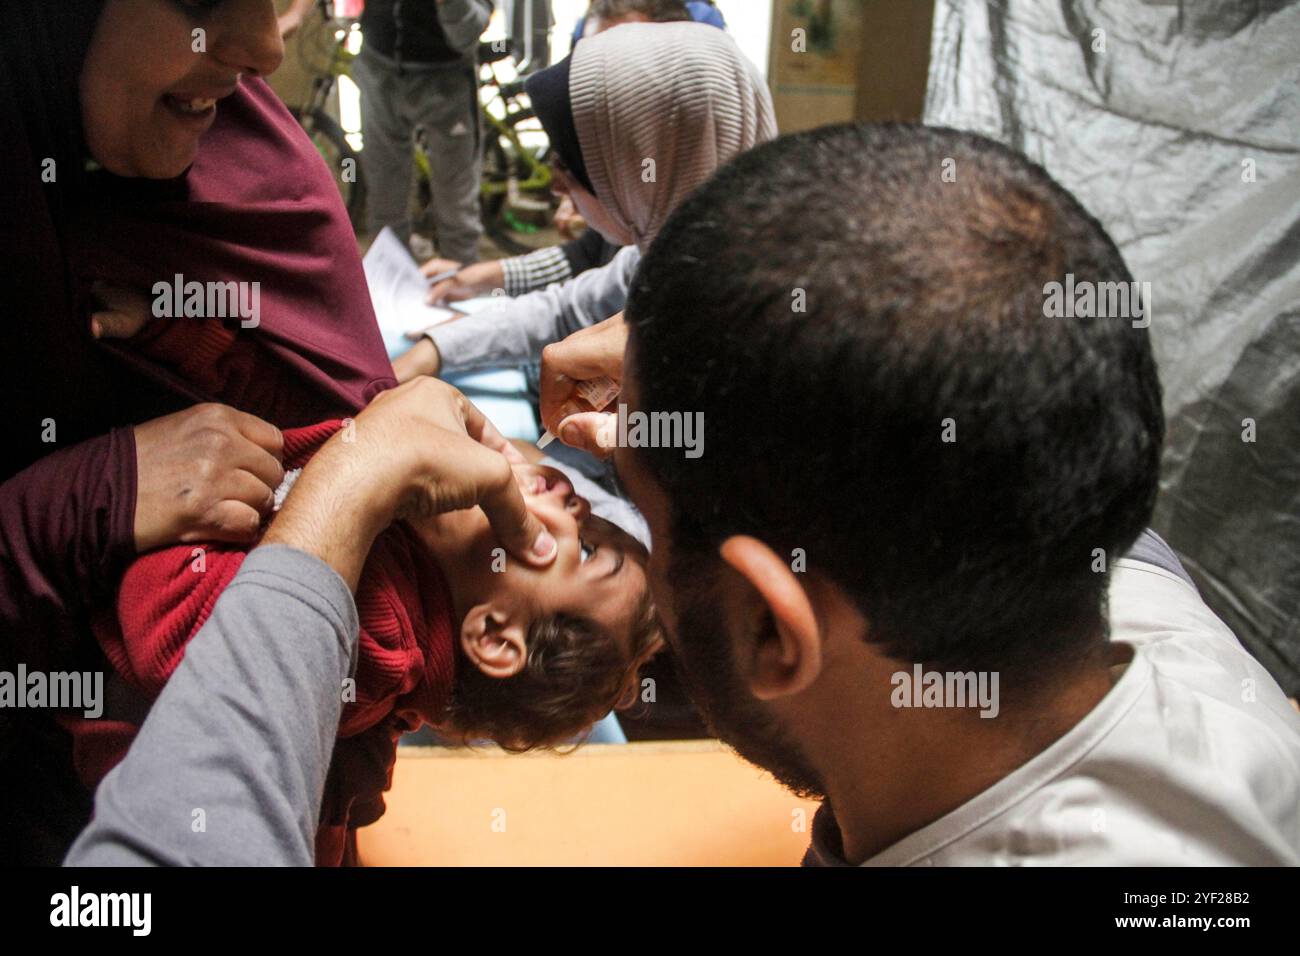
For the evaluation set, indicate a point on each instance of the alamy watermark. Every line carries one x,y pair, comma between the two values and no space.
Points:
1098,300
60,690
133,911
922,688
654,430
208,300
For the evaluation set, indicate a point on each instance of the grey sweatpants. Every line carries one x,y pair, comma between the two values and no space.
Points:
444,101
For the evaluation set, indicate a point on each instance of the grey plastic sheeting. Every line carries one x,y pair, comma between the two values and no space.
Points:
1156,115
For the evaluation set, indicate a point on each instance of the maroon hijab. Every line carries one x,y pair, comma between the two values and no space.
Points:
258,205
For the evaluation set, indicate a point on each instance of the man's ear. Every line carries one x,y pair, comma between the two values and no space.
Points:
494,638
791,663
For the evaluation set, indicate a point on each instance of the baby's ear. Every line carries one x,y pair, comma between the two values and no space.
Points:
495,639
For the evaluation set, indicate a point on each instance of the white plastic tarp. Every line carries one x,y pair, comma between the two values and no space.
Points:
1178,125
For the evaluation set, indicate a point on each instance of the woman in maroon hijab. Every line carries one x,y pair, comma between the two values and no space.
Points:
138,144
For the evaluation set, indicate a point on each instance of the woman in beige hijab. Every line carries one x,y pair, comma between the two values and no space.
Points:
638,117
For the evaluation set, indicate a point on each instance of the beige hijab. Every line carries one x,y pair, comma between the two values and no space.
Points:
658,107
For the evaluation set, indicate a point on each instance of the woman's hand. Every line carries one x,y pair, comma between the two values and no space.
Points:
122,313
590,353
567,220
208,473
468,283
422,358
419,449
291,20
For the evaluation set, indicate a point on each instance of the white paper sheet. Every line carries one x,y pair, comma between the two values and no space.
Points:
398,289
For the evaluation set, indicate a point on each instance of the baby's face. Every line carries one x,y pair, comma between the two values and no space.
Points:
599,572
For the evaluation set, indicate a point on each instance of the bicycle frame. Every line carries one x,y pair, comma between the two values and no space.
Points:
498,108
340,63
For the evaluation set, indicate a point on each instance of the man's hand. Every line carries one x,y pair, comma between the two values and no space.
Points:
422,358
418,449
586,354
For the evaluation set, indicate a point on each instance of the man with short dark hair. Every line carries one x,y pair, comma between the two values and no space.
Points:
900,575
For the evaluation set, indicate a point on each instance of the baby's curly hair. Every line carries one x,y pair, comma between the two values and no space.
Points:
575,673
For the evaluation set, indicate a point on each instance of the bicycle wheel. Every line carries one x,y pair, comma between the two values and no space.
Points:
344,162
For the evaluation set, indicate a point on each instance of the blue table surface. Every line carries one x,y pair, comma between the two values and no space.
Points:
500,393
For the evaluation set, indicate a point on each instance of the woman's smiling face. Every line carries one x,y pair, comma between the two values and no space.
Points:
155,71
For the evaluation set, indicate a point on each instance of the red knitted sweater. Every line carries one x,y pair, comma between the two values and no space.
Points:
403,678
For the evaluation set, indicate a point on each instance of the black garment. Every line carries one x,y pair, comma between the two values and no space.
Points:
591,250
548,91
50,369
408,31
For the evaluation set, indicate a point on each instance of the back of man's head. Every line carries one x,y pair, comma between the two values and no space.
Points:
859,312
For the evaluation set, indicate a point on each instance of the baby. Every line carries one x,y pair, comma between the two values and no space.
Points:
454,633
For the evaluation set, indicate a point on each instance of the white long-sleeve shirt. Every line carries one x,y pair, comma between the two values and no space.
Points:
515,331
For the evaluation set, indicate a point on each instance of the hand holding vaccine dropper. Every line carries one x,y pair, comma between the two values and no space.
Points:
582,374
594,395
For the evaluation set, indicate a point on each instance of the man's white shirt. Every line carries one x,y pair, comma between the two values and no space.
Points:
1191,759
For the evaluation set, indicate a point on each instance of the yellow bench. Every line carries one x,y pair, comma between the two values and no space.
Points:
679,803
